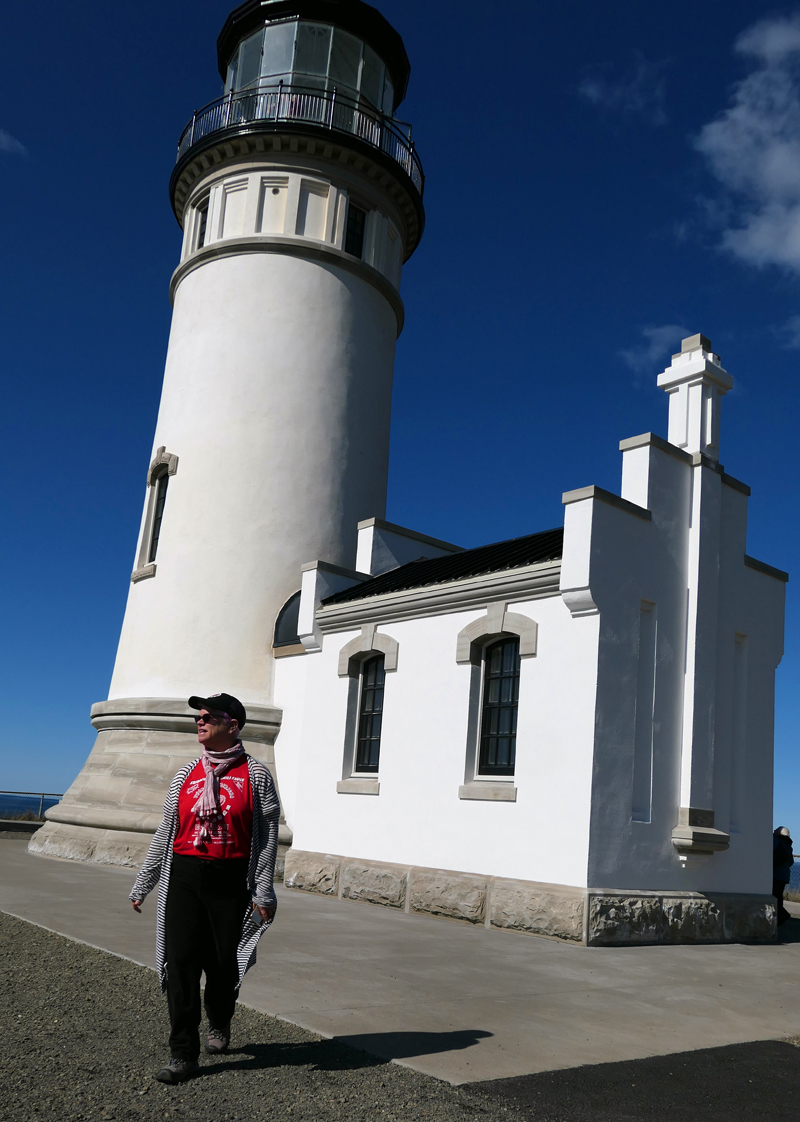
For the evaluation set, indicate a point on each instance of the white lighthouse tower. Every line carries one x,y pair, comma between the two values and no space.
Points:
300,197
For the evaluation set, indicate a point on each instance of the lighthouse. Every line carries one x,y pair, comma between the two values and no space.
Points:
299,193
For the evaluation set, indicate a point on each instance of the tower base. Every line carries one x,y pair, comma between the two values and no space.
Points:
113,808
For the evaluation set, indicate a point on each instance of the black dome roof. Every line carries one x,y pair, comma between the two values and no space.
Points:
355,16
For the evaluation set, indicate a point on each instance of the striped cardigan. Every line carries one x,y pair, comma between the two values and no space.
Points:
263,851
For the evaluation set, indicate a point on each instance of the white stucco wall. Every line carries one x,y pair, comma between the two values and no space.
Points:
634,560
418,817
276,400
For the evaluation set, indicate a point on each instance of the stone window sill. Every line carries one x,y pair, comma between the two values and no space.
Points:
143,573
488,792
289,650
358,787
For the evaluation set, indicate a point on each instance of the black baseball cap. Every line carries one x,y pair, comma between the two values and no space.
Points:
221,703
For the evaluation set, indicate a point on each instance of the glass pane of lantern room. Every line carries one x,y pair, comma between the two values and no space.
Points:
345,60
249,60
312,48
372,77
233,66
278,49
388,95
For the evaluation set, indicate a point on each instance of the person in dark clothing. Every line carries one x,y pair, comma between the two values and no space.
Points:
213,858
782,861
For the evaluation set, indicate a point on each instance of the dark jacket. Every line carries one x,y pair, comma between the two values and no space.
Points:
782,858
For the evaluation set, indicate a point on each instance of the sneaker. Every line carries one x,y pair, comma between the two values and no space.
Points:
218,1040
176,1071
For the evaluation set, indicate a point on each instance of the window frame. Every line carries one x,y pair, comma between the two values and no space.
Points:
482,772
352,658
373,658
163,466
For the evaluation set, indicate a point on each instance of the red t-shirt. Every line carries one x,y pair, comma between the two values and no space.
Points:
231,834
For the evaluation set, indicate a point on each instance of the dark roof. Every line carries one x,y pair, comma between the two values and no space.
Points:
511,554
355,16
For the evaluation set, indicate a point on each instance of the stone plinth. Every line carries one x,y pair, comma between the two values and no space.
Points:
111,811
594,917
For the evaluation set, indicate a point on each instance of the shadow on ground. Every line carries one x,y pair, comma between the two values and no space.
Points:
738,1083
789,932
345,1053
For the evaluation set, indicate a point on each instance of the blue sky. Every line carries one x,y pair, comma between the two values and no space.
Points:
601,180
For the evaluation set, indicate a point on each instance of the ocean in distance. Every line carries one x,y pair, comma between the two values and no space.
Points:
13,805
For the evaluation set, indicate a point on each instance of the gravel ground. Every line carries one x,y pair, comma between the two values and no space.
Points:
83,1033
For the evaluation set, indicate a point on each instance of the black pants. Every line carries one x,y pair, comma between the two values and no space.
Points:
778,889
206,906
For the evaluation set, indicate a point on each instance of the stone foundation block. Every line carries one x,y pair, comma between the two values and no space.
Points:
376,884
749,918
312,872
693,920
536,910
76,843
441,893
624,920
122,847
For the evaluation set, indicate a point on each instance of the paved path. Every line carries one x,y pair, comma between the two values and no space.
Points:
453,1001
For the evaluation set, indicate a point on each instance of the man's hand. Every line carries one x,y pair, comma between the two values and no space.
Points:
137,905
265,913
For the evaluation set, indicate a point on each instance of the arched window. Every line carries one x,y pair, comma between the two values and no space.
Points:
286,624
163,466
498,740
370,713
161,483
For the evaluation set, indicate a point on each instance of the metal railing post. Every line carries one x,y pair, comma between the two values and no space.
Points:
333,103
278,98
191,138
41,806
228,109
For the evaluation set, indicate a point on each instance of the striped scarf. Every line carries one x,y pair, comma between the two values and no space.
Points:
216,765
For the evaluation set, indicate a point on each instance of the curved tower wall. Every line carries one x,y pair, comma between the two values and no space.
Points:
272,437
276,400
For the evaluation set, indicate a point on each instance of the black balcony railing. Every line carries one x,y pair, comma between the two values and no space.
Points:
326,109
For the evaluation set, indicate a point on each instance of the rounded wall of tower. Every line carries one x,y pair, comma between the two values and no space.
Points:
275,409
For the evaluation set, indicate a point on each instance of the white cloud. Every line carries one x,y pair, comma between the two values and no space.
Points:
660,343
753,148
791,329
8,143
639,93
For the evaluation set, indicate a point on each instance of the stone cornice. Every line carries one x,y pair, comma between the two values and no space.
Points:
168,714
532,582
763,567
292,247
338,151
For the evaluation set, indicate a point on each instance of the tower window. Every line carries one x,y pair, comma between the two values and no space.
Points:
354,234
285,634
500,702
158,515
201,223
370,713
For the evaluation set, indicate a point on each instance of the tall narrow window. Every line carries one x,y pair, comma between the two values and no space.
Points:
500,702
370,712
201,223
158,514
354,234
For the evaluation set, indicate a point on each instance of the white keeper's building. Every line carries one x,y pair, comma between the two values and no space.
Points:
567,734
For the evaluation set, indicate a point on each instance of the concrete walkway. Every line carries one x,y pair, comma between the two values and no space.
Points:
455,1002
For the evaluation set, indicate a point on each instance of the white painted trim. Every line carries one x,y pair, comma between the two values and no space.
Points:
532,582
496,622
367,643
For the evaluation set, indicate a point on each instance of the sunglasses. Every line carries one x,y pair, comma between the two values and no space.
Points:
209,719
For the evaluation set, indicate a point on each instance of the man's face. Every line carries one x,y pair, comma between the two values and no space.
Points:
215,731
